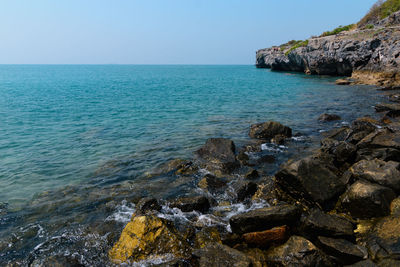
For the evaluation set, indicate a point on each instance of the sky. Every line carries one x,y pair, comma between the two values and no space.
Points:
161,31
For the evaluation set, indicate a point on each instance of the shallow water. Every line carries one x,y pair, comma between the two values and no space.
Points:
77,142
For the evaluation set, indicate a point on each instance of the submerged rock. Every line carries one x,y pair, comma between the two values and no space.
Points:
329,117
220,255
188,204
261,239
148,235
268,130
367,200
147,204
297,251
244,189
264,219
218,154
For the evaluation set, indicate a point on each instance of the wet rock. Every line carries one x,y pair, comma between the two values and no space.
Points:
345,251
220,255
55,261
188,204
264,219
385,154
146,205
252,174
310,178
148,235
268,130
341,150
257,257
378,171
320,223
207,236
381,138
329,117
211,183
218,154
339,134
179,166
297,251
367,200
266,159
243,158
244,189
365,263
393,110
343,82
278,139
262,239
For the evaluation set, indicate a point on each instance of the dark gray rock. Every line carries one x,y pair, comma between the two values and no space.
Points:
345,251
329,117
244,189
365,263
393,110
310,178
366,200
320,223
212,184
381,138
147,204
268,130
264,219
252,174
188,204
218,154
378,171
385,154
297,251
217,255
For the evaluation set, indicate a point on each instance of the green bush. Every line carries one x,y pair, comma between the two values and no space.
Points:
380,10
369,26
297,44
338,30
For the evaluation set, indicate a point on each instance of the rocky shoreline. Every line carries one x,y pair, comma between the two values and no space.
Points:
336,207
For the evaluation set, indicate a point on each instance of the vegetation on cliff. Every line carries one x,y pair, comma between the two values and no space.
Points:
380,10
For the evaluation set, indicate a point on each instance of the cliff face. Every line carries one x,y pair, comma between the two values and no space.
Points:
370,56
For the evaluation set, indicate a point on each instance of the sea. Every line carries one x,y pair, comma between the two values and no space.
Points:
80,144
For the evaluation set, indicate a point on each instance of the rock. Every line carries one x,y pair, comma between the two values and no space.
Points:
264,219
378,171
385,154
219,155
207,236
365,200
266,159
188,204
261,239
252,174
148,235
268,130
339,134
341,150
365,263
54,261
393,110
297,251
278,139
345,251
381,138
244,189
342,82
329,117
220,255
212,183
311,178
179,166
243,158
320,223
146,205
257,257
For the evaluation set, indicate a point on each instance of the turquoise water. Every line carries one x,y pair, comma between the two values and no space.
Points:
69,132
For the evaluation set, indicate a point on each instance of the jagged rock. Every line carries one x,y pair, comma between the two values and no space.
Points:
218,154
297,251
378,171
339,134
345,251
212,183
265,218
329,117
147,204
261,239
268,130
220,255
188,204
341,150
252,174
366,200
320,223
381,138
393,110
365,263
148,235
244,189
311,178
385,154
206,236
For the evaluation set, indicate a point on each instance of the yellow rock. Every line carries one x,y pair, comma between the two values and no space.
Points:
206,236
148,236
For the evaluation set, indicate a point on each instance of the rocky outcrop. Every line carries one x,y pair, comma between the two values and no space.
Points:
268,130
370,56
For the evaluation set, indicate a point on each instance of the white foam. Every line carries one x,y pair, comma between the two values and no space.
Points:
123,212
272,147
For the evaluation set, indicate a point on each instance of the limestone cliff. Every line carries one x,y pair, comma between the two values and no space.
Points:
370,55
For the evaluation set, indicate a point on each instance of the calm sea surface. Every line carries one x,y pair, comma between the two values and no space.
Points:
78,141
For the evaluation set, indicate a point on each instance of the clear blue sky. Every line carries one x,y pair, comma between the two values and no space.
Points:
161,31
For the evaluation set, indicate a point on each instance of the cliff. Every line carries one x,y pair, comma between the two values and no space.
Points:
370,55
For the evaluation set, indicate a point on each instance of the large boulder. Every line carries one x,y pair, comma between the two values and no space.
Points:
268,130
297,251
218,154
217,255
320,223
378,171
264,218
381,138
148,235
310,178
385,154
188,204
367,200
